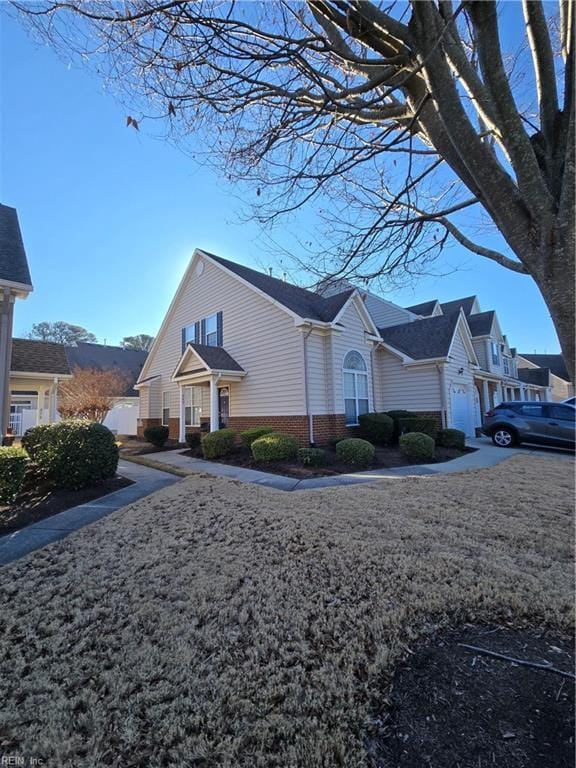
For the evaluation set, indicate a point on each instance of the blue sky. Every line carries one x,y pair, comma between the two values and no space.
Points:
110,216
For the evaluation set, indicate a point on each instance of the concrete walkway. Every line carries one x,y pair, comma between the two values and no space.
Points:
146,481
485,455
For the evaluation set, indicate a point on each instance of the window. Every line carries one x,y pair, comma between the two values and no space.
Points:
495,353
561,412
211,331
531,410
165,408
355,387
190,335
506,366
192,406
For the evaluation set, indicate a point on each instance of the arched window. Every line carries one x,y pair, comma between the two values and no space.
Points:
355,387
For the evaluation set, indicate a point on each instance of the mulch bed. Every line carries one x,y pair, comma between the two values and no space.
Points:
39,500
451,707
384,458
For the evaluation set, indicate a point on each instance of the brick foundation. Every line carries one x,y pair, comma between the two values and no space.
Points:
143,423
437,415
326,426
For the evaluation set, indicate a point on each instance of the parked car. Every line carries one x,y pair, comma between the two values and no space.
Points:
570,401
527,421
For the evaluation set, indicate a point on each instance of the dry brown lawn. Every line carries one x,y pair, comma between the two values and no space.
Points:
220,624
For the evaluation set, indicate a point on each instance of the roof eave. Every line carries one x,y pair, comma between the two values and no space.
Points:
20,289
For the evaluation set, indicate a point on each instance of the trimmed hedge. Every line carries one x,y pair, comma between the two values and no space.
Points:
312,457
13,462
377,428
73,454
451,438
396,416
426,425
219,443
156,435
355,452
274,447
417,446
249,435
193,440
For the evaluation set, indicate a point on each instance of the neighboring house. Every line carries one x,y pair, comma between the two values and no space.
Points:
15,283
123,417
241,348
551,368
37,368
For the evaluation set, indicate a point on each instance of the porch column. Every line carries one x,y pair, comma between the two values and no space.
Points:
213,405
182,417
485,395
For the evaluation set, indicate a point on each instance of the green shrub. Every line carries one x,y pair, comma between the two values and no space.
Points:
426,425
274,447
193,440
217,444
13,463
73,454
156,435
377,428
451,438
312,457
396,416
355,452
249,435
417,446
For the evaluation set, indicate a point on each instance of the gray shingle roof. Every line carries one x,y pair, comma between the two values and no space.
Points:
425,308
31,356
453,306
554,362
430,337
216,358
104,357
540,376
305,303
13,262
481,323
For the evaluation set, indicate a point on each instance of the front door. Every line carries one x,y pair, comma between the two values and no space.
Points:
223,406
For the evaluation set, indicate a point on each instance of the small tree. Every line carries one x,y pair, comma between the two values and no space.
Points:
90,393
141,342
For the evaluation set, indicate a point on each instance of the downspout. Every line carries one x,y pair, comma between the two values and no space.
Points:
441,373
306,394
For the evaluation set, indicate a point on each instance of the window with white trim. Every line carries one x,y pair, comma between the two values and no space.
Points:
506,366
166,408
495,353
211,331
355,376
192,406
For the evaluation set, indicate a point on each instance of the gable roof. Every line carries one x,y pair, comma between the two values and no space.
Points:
13,261
31,356
305,303
539,376
423,339
216,358
554,362
425,308
481,323
466,305
104,357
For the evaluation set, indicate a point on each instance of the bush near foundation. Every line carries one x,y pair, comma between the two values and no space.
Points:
312,457
426,425
274,447
156,435
193,440
417,446
451,438
355,452
396,416
73,454
13,463
216,445
249,435
377,428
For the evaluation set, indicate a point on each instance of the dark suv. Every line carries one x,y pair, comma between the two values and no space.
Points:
528,421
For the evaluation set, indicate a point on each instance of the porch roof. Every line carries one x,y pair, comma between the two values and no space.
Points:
199,359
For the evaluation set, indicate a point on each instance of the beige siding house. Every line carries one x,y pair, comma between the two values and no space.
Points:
241,348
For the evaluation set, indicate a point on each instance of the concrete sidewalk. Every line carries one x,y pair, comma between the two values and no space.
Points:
485,455
146,481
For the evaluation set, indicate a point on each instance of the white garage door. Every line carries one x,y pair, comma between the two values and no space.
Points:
460,404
